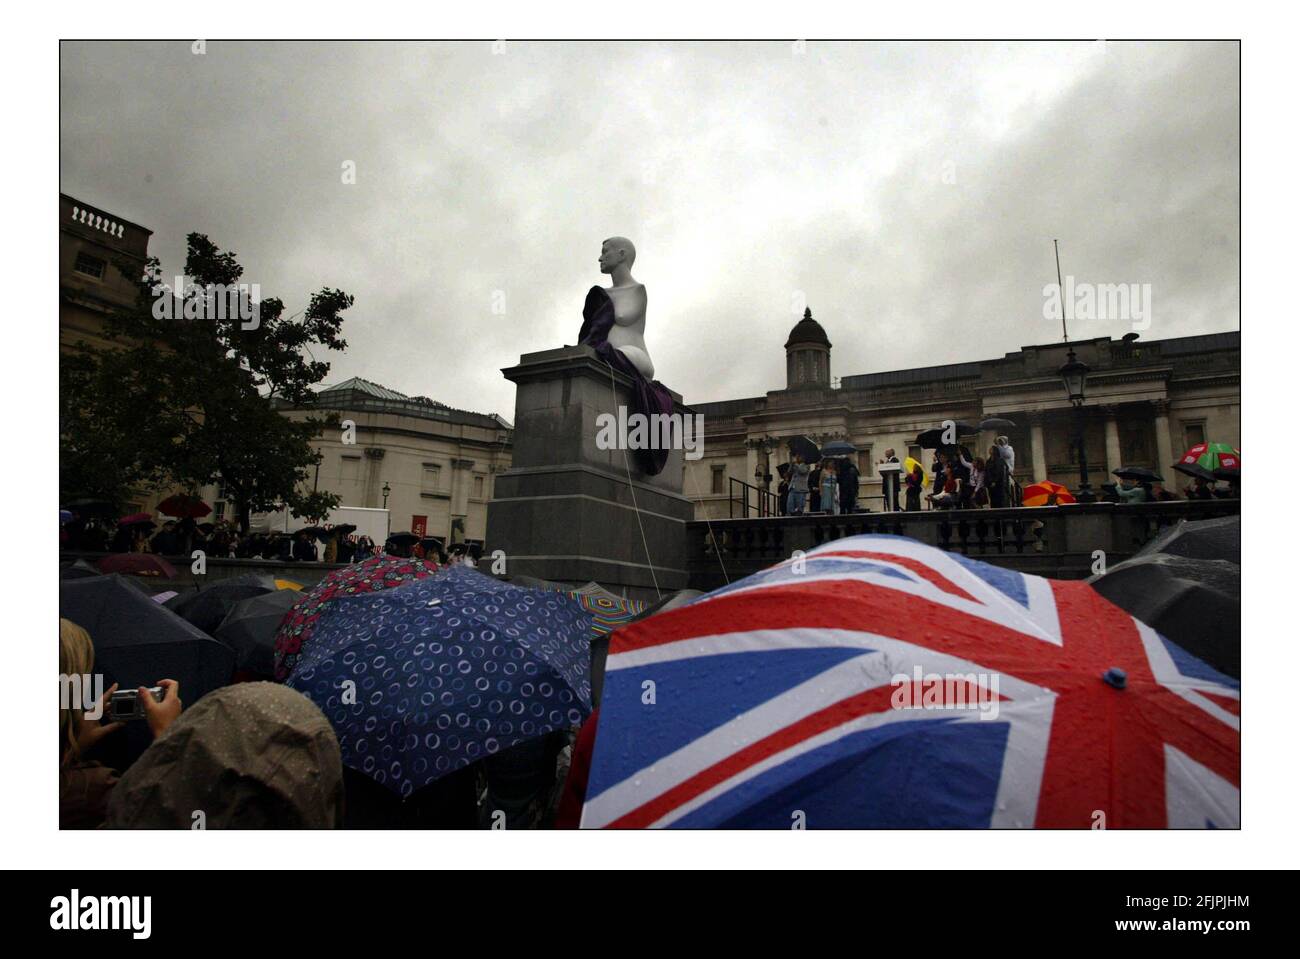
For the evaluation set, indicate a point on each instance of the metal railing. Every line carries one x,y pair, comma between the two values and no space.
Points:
762,502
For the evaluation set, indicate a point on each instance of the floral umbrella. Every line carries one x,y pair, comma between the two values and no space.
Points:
370,576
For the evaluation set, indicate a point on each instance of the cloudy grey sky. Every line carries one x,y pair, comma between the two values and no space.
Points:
908,192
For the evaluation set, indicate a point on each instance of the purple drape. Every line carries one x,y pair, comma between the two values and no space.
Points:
649,397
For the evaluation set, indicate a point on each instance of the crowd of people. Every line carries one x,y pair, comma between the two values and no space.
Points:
828,486
223,540
957,480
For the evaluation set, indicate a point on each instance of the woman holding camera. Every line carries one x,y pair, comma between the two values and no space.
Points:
85,785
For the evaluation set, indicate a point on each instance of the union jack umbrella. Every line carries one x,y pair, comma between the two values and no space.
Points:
879,682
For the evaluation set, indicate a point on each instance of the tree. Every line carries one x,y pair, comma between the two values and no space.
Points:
191,389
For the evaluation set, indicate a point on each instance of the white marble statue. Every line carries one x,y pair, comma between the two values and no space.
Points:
617,254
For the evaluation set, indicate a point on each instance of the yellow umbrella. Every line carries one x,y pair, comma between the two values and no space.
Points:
288,584
910,466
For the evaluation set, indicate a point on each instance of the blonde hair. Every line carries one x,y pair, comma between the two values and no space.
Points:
76,658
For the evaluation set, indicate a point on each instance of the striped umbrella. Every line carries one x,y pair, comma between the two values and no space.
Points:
608,612
1040,494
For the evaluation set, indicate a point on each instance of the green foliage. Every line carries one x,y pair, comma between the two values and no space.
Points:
190,394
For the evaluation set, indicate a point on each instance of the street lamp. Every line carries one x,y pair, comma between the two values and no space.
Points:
386,490
1074,374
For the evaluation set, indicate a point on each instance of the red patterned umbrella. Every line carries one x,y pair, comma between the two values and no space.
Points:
370,576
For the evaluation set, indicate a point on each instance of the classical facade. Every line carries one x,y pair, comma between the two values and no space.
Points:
92,242
437,463
1146,402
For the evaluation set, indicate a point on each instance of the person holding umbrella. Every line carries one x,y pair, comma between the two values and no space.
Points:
830,488
1129,491
798,485
847,476
997,478
915,483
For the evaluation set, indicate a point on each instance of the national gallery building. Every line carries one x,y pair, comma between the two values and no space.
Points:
1145,403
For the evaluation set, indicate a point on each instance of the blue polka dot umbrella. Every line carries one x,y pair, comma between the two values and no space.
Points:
424,679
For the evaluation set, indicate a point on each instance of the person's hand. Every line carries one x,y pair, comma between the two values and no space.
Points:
92,731
161,715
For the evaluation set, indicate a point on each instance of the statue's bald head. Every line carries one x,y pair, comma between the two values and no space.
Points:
616,250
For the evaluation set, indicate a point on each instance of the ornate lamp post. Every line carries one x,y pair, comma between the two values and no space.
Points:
1074,374
386,490
764,447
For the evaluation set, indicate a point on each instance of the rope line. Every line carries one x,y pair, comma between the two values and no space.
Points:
627,465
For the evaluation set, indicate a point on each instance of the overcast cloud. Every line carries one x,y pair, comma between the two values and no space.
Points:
909,191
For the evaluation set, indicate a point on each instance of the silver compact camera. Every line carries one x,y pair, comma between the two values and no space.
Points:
125,704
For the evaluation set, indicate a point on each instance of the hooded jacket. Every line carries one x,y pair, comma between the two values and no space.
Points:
249,756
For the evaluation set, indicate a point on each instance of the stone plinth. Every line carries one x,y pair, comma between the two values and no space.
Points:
568,511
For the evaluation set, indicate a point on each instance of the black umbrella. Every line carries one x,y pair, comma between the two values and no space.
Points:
207,607
344,529
315,532
77,569
403,539
996,423
1195,470
1200,539
838,448
138,642
1139,473
933,438
250,626
1195,603
805,447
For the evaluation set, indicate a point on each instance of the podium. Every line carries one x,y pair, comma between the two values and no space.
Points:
566,509
889,480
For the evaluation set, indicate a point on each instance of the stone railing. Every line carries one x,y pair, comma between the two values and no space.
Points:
1056,541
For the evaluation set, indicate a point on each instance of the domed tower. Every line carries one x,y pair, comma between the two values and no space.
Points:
807,355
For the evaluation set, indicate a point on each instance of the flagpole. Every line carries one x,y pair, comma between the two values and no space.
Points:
1065,336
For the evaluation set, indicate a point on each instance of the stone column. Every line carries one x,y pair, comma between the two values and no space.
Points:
1164,441
568,511
374,482
1037,446
1112,442
461,482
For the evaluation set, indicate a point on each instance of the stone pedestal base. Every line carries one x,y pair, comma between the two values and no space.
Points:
566,510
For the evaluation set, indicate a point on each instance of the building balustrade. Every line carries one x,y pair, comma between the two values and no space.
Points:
1056,541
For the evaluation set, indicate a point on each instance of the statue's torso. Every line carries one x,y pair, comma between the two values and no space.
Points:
628,334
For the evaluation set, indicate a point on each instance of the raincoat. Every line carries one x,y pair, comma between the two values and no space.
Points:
254,755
